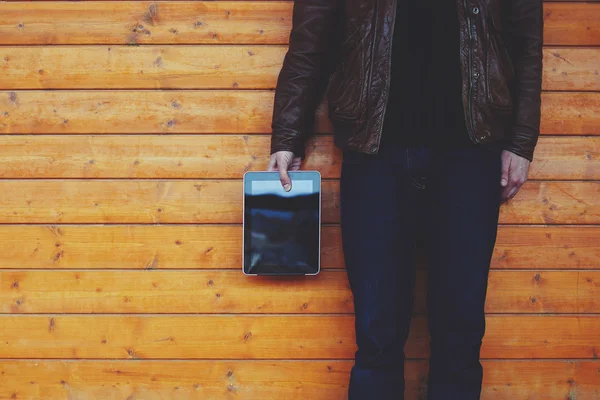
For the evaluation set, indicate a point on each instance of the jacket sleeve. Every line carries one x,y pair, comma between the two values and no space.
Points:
523,34
305,73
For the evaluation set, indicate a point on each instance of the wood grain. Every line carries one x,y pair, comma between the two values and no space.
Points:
259,380
570,113
144,22
576,23
143,67
554,203
211,67
210,22
227,156
209,201
557,247
214,111
135,112
230,292
136,247
209,247
271,337
571,69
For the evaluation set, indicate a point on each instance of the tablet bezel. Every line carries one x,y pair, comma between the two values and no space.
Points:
254,176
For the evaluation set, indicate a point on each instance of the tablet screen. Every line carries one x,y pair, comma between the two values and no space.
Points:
281,229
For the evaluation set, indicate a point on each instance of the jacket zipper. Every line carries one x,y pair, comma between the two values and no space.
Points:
469,105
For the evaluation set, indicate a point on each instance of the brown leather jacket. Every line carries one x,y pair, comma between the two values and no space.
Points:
342,48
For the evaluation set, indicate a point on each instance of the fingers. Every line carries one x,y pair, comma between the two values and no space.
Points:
284,161
514,174
272,163
284,177
515,181
296,163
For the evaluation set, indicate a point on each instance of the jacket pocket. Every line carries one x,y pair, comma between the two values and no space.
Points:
346,89
500,71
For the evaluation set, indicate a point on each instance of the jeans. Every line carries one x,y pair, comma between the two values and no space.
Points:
449,198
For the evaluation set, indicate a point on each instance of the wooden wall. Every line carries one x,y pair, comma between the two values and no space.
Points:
125,128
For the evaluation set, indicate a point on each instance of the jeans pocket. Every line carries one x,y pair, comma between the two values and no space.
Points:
419,181
419,160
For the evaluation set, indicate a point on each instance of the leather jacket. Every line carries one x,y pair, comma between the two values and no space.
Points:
342,48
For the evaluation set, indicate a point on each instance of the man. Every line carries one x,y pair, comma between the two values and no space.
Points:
436,106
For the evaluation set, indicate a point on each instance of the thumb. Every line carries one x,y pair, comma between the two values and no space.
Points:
284,177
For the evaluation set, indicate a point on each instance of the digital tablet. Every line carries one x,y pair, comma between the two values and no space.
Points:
282,230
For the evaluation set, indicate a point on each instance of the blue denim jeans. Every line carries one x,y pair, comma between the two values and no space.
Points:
450,199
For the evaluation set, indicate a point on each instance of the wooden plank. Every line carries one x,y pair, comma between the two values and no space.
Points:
572,23
554,203
143,67
208,201
570,69
212,67
208,22
315,380
566,158
202,247
136,247
213,292
170,380
547,248
540,380
136,112
570,114
217,292
176,156
221,156
208,111
145,22
543,292
271,337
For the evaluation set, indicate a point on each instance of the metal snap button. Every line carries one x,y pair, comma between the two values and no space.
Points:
476,10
